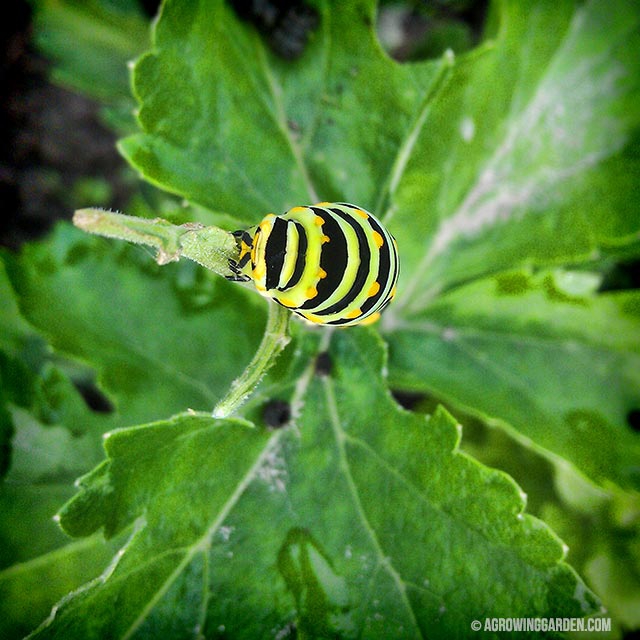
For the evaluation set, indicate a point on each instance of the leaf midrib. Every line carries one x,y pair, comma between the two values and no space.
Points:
203,543
383,561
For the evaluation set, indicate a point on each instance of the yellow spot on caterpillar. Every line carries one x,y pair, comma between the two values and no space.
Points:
287,302
361,213
297,209
325,239
244,249
318,221
373,289
374,317
378,239
311,318
392,294
311,292
354,314
322,274
322,204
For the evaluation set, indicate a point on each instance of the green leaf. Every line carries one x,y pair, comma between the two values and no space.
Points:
522,158
46,580
91,43
56,436
51,438
327,126
561,369
14,330
159,342
19,347
37,564
360,519
523,149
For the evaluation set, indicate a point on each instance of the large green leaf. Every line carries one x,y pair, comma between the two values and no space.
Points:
254,133
561,368
360,519
517,141
94,333
159,339
521,158
55,438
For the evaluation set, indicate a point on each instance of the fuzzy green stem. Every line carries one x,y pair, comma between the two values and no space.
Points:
274,340
209,246
212,248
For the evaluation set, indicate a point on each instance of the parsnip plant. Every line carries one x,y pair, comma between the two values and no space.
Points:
323,508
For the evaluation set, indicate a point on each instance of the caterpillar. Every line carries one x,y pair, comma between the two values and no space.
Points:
331,263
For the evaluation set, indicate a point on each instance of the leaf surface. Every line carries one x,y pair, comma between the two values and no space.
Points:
328,126
160,340
359,519
524,157
52,437
562,368
91,44
354,517
520,153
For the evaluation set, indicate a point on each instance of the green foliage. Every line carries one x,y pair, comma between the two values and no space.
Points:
507,176
91,42
324,490
521,349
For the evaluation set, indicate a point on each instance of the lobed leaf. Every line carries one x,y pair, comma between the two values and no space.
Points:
359,519
326,126
159,339
527,155
51,437
561,368
521,152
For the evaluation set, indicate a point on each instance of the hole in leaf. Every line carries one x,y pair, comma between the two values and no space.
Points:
150,7
276,414
633,419
94,398
624,275
408,400
420,31
324,364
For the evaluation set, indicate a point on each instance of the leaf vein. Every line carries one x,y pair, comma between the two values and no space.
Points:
383,560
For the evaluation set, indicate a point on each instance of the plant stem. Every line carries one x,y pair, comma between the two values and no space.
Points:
274,340
211,247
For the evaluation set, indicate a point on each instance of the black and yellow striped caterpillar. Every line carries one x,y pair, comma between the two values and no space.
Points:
331,263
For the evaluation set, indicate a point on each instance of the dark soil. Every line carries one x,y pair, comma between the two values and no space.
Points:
49,138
